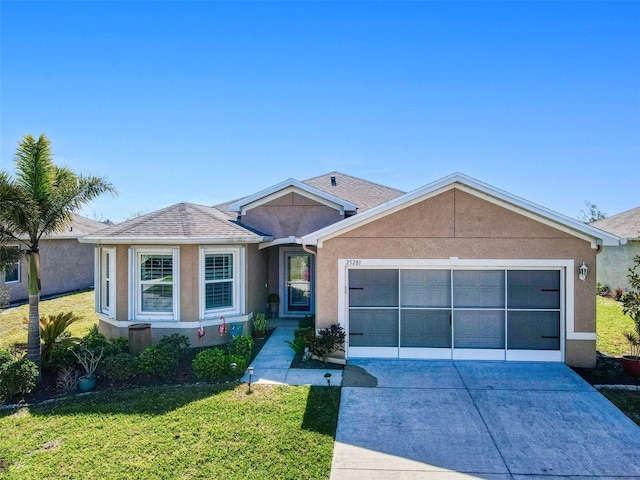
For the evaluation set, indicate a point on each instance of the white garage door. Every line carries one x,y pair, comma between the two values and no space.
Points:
492,314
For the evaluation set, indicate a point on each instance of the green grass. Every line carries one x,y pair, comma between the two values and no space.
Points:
14,330
175,433
611,322
625,400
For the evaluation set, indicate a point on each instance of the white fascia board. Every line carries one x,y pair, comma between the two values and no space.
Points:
288,186
474,187
280,241
173,240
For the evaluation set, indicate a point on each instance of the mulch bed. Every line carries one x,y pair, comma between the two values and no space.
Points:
608,371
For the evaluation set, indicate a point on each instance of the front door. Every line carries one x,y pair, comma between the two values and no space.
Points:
298,291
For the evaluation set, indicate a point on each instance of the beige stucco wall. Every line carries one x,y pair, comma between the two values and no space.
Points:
614,262
257,280
455,224
290,214
66,265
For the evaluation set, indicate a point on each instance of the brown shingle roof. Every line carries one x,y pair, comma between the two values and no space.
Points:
79,227
360,192
180,221
625,224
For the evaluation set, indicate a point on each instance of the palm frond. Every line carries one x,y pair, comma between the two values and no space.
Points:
35,168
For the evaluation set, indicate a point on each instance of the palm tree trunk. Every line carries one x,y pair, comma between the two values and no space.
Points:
33,334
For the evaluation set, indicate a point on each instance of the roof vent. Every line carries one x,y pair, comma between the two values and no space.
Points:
333,181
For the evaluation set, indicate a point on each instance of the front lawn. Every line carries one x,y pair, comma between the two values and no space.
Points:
611,322
192,432
625,400
14,330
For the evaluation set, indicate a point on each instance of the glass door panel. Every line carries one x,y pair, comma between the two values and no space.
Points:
298,289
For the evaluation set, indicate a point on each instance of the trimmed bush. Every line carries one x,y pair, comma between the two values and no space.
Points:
17,378
159,361
121,366
61,357
5,357
176,342
241,345
210,364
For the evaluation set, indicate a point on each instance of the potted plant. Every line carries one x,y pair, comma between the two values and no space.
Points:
631,307
260,325
274,304
89,359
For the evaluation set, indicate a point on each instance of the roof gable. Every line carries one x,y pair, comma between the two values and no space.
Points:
473,187
291,186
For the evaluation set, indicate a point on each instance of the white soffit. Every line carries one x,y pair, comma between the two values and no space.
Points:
474,187
286,187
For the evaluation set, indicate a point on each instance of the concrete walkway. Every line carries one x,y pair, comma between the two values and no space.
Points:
488,420
271,365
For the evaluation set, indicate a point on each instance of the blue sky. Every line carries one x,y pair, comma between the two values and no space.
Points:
210,101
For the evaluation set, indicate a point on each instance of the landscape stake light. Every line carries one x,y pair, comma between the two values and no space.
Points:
582,272
328,377
250,370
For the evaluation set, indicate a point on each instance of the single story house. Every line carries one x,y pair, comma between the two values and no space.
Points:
456,269
66,265
615,260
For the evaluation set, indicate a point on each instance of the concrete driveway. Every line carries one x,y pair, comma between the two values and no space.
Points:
490,420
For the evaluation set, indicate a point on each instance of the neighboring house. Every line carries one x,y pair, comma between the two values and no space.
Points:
455,269
66,265
613,262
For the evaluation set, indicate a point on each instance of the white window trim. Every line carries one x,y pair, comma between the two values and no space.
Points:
565,266
238,284
98,281
135,301
12,282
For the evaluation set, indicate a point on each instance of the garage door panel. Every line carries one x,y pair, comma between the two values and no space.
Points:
478,329
478,289
533,330
425,328
426,288
373,288
533,289
373,328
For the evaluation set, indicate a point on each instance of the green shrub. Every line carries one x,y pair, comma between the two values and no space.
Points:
61,357
308,321
121,366
176,342
158,360
241,345
210,364
601,289
17,378
119,345
241,362
5,357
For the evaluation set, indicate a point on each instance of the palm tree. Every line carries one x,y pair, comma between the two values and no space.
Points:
37,202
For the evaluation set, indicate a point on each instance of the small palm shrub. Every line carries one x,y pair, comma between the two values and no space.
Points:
17,377
53,332
631,307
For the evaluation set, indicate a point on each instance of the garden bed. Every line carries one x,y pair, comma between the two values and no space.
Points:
47,389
